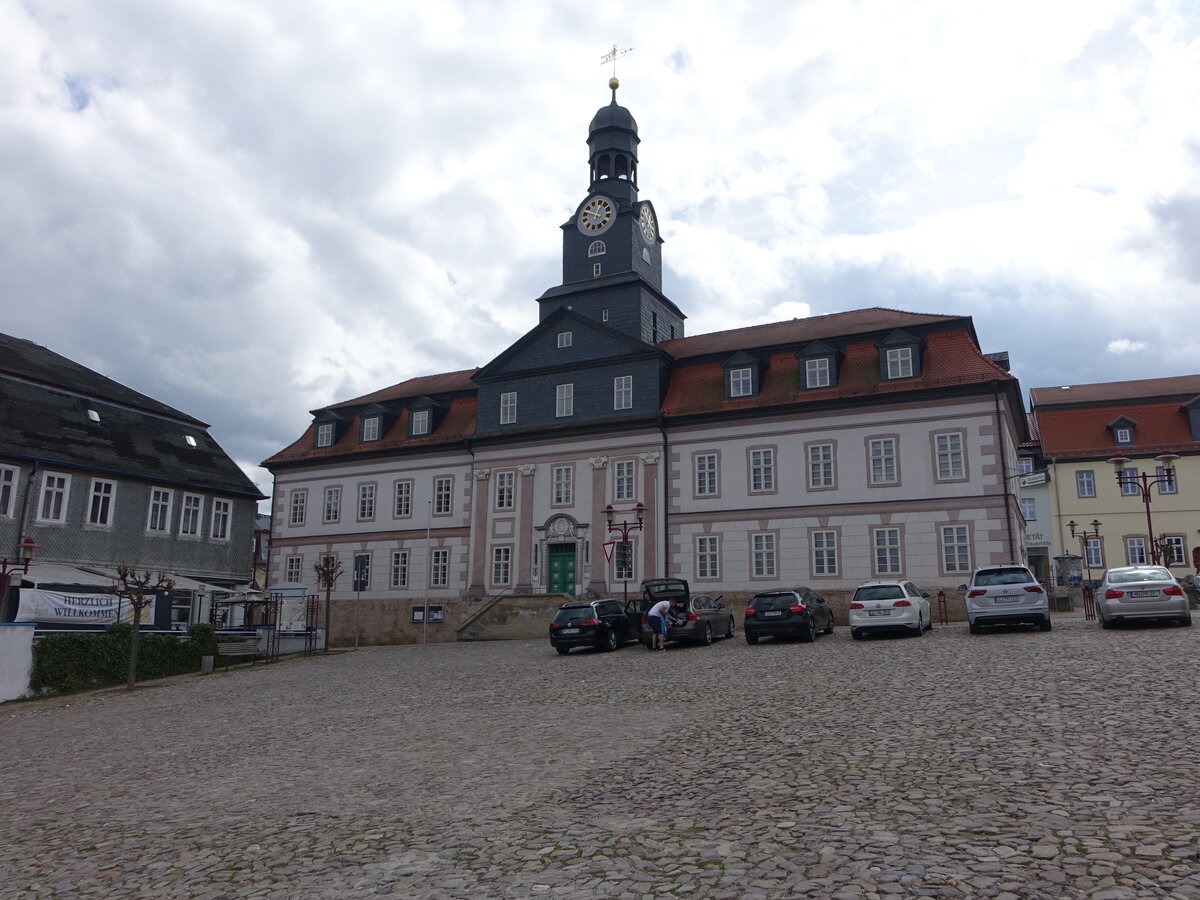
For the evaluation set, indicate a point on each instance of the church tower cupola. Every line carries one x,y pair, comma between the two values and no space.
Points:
612,145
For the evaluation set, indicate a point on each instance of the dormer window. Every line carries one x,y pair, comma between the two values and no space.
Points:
818,366
899,356
741,382
420,422
597,248
325,434
816,372
900,362
1122,428
564,339
1123,435
370,429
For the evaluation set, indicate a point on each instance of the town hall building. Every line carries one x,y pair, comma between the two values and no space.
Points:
867,444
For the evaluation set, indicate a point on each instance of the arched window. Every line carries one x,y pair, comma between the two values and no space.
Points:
623,167
603,168
597,248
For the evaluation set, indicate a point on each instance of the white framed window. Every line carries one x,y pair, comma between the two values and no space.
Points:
189,515
1172,545
439,568
604,314
564,400
596,269
8,490
399,577
883,460
1123,435
708,557
508,408
623,392
1165,487
1085,483
505,482
956,548
1024,465
501,565
332,510
816,372
366,502
420,421
325,434
741,382
1029,508
564,485
1093,553
949,449
402,504
1135,551
370,428
763,563
900,362
219,529
299,507
820,466
762,471
56,491
887,550
159,516
564,339
1130,486
824,552
443,496
100,506
623,479
707,482
293,569
597,248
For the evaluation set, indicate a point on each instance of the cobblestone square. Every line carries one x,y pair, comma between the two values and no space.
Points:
1010,765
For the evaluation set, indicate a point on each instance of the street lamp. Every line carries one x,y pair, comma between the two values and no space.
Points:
1084,536
623,528
25,552
1143,481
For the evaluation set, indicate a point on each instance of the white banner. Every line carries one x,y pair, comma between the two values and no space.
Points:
85,609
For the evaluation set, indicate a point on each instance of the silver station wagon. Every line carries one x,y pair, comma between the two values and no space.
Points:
1141,592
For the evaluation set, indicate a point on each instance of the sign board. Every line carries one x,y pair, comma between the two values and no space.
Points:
608,550
435,614
1033,480
39,605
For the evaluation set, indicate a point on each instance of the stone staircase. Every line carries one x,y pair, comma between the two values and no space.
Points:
512,617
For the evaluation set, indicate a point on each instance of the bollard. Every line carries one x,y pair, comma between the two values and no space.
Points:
206,665
943,617
1089,604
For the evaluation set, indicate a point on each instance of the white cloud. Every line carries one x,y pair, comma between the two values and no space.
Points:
1125,345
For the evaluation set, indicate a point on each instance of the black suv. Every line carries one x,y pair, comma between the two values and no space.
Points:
597,623
789,612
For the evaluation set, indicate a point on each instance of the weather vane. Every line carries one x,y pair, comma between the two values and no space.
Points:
612,56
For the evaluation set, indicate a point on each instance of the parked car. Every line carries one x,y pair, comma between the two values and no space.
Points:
788,612
1141,592
879,606
1006,595
596,623
696,619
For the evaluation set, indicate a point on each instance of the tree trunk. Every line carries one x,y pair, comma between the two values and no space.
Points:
131,682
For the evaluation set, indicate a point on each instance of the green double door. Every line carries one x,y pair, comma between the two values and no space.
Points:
561,572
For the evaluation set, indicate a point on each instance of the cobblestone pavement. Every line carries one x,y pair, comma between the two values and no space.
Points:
1008,765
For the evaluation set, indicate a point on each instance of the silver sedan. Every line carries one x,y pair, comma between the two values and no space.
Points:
1141,592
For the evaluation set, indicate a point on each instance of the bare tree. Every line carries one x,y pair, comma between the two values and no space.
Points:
140,589
327,570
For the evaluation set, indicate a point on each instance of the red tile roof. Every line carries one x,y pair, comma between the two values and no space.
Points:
1081,431
446,383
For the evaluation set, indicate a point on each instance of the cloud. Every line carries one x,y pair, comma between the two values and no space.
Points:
1125,345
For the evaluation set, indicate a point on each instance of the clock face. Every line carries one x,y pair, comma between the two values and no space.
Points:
646,223
597,215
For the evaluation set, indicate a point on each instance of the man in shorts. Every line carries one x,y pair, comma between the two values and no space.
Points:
658,618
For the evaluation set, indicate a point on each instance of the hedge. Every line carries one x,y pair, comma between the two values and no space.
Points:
65,663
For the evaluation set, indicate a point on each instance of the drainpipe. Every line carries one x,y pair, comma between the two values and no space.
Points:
1008,519
663,476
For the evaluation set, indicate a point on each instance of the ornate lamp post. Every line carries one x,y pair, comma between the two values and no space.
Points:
1143,481
1084,536
25,550
623,528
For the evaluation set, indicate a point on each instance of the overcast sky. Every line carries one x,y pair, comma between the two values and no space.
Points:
249,210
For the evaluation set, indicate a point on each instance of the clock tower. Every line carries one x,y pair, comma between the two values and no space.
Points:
612,249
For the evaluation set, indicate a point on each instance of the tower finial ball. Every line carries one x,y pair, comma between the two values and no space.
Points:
613,84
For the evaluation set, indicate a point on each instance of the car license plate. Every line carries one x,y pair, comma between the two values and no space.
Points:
773,613
1011,598
569,631
879,612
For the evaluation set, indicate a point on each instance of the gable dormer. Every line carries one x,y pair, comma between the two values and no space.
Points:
424,416
899,356
1122,429
374,422
743,375
818,366
328,428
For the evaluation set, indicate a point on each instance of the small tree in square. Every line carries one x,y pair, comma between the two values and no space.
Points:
327,571
140,589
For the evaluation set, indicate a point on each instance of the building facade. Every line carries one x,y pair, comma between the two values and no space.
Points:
99,475
873,443
1141,423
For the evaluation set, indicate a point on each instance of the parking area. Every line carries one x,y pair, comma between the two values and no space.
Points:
1014,764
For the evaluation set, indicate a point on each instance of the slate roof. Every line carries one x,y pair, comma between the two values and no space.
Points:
44,404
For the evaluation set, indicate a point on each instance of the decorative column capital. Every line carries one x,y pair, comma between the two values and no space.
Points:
483,474
650,458
598,462
527,469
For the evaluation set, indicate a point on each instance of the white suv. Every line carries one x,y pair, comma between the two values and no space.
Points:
1006,595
